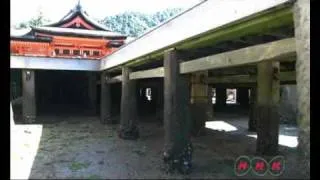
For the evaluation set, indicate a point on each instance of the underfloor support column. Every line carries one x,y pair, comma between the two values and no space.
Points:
29,97
252,124
177,120
128,115
302,35
243,97
200,107
92,91
105,102
268,91
221,98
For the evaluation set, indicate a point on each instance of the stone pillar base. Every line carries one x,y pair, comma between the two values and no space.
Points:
267,130
129,133
29,119
181,161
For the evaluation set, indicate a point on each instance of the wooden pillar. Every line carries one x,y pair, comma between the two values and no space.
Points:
199,102
105,100
29,96
302,36
128,115
221,97
268,91
177,120
210,105
252,124
92,91
243,97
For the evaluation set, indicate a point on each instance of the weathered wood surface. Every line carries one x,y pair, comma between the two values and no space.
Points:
302,34
105,102
252,123
284,76
268,98
199,102
277,50
151,73
128,116
29,98
176,110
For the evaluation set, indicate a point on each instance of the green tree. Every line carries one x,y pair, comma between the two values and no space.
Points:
135,23
38,20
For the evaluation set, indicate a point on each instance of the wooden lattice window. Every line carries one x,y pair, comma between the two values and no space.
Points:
96,53
76,52
86,52
66,51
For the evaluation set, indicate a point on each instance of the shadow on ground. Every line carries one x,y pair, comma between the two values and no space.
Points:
81,147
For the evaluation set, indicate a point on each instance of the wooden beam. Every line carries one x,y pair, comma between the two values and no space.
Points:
284,76
115,79
151,73
276,50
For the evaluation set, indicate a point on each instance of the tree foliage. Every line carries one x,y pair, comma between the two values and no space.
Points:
38,20
128,23
135,23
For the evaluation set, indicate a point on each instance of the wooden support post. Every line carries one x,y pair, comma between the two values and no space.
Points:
105,102
252,124
221,97
268,91
210,105
29,97
159,100
92,91
302,36
199,102
128,115
243,97
177,120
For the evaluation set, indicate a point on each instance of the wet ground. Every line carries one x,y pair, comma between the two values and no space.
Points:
80,147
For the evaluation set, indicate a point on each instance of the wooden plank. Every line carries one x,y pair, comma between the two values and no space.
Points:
284,76
151,73
48,63
115,79
276,50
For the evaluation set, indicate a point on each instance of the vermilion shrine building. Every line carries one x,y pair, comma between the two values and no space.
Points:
247,45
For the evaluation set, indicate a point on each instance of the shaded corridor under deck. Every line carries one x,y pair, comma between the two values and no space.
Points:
63,93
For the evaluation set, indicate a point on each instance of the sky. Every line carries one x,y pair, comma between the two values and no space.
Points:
24,10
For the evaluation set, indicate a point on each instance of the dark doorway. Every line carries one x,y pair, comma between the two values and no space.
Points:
62,92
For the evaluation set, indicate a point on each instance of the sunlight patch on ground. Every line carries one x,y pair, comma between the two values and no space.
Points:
284,140
24,142
220,126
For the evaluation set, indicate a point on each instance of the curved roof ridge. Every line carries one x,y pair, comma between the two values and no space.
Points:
79,10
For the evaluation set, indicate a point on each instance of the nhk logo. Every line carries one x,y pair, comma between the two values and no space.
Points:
259,166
